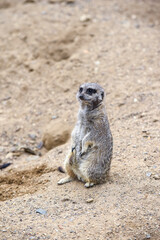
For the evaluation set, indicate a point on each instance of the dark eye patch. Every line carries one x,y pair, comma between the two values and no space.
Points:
91,91
81,89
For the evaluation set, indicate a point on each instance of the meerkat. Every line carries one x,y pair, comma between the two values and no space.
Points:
92,144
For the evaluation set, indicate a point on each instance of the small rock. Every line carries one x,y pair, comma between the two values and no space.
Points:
85,18
17,129
29,1
121,104
156,177
60,1
148,236
1,149
28,150
40,145
89,200
137,25
32,136
4,165
6,98
31,158
70,1
16,154
9,155
154,166
97,62
148,174
41,211
54,117
65,199
155,120
14,149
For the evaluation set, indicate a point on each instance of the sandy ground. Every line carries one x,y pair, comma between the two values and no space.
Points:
48,48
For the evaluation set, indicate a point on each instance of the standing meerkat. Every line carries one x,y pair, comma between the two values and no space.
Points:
92,144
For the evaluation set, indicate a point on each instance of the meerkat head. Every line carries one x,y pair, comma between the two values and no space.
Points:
90,94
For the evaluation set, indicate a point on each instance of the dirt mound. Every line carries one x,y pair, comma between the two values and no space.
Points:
18,183
64,46
56,133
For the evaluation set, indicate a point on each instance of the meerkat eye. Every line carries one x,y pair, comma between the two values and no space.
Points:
81,89
90,91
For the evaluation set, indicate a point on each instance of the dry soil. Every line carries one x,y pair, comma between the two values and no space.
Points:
47,49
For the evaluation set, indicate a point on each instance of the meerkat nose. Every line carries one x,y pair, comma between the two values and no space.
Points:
81,97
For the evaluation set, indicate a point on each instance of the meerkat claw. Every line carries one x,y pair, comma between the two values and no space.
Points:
65,180
88,184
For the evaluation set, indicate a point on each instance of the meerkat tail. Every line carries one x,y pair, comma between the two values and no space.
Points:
60,169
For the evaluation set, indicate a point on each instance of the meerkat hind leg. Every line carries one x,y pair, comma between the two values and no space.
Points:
89,184
71,176
65,180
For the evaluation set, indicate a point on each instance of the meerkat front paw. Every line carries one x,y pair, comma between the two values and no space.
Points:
88,184
65,180
86,147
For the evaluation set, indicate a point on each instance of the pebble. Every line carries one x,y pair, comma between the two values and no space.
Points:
85,18
9,155
156,177
5,165
148,236
14,149
70,1
17,129
148,174
54,117
89,200
41,211
28,150
97,62
65,199
1,149
40,145
32,136
154,166
6,98
137,25
31,158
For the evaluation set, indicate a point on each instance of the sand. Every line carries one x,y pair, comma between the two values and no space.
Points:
48,48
